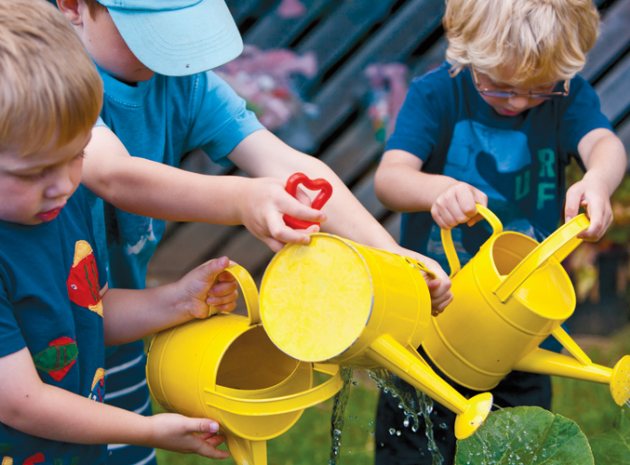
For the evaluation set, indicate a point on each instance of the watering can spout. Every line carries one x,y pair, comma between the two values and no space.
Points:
410,366
551,363
246,452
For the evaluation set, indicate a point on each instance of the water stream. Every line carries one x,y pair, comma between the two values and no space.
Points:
414,404
337,419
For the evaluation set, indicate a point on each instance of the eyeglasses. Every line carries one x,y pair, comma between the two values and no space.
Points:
560,89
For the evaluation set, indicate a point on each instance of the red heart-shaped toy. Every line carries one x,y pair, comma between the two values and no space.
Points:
320,184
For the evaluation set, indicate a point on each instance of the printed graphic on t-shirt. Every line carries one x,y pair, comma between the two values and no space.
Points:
82,282
57,359
98,386
519,184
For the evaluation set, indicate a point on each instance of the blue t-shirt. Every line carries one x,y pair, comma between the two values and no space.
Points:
163,119
518,161
50,303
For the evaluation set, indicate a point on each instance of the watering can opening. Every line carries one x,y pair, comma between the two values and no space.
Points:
242,368
548,291
315,305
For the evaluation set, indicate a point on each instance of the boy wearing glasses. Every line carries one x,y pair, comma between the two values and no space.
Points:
497,125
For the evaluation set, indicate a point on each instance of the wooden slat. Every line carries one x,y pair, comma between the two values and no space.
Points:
412,23
612,43
614,91
623,131
275,31
186,247
243,9
345,29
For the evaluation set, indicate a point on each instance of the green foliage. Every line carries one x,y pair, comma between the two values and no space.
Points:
530,435
614,446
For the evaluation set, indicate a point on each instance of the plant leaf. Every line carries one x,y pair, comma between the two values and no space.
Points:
614,446
525,435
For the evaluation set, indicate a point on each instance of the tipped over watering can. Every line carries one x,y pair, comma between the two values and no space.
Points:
226,368
507,299
340,302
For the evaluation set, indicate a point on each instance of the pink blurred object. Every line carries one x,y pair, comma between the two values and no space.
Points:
291,8
388,87
264,79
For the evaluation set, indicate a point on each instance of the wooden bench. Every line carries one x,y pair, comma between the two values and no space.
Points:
346,37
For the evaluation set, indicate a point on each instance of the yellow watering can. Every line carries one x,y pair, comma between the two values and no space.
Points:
340,302
226,368
508,298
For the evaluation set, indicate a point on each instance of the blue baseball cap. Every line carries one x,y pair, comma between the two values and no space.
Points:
177,37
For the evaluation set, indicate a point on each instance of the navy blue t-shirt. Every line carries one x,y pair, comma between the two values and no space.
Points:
50,303
518,161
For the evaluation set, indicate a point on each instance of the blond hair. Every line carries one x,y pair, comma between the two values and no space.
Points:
520,41
50,91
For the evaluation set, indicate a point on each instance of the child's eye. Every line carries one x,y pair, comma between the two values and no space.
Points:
31,176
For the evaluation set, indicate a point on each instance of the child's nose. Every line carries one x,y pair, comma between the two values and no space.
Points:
518,102
60,183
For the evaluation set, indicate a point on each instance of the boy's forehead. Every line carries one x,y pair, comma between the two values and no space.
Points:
48,152
507,76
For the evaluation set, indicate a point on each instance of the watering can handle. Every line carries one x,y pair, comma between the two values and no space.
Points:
283,404
249,290
447,238
325,191
558,245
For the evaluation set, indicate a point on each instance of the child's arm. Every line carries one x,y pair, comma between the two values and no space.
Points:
605,160
263,154
401,186
132,314
149,188
39,409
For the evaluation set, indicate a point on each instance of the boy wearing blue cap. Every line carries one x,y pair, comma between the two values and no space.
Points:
497,125
161,102
56,311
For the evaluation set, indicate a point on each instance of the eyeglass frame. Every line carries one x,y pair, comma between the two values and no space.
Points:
507,94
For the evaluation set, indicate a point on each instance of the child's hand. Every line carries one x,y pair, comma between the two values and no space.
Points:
208,289
187,435
265,202
439,287
457,205
592,194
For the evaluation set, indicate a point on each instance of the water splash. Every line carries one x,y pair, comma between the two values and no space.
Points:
414,404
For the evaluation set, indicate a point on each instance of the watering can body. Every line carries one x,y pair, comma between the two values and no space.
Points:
226,368
337,301
508,298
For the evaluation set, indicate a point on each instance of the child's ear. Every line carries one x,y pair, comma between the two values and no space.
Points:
72,9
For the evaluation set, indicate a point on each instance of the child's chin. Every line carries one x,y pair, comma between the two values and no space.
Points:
504,112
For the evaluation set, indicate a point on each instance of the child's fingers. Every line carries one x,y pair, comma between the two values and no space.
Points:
302,212
206,431
283,234
223,288
217,301
213,268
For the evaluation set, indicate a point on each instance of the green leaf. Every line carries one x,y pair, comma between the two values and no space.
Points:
614,446
525,435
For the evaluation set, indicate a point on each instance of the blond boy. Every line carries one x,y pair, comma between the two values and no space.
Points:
56,312
496,125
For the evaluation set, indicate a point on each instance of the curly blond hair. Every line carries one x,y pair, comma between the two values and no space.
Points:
50,91
520,42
